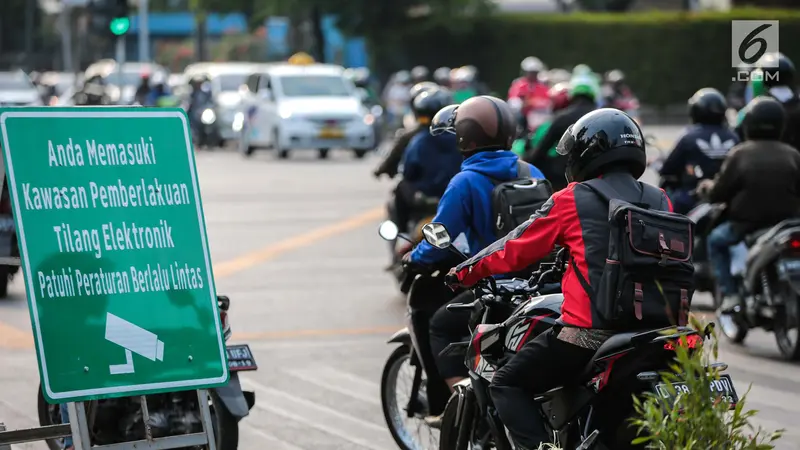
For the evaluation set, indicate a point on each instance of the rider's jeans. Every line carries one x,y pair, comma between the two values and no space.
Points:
543,364
719,254
65,419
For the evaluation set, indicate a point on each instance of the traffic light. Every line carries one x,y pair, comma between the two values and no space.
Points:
110,17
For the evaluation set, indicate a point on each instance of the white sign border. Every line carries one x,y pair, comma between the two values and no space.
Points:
115,390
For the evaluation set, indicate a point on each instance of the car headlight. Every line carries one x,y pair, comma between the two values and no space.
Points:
208,117
369,119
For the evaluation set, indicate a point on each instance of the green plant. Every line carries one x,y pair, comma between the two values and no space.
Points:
694,421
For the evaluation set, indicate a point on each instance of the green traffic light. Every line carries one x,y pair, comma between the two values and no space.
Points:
120,25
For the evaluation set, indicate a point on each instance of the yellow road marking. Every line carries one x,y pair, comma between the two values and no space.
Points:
12,338
269,252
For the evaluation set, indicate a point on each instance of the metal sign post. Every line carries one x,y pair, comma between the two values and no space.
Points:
113,241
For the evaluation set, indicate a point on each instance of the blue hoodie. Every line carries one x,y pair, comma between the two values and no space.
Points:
466,206
429,162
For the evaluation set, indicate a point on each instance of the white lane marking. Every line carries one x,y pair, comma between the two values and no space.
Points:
369,435
275,442
755,365
336,382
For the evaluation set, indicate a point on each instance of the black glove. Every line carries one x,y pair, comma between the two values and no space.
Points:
451,279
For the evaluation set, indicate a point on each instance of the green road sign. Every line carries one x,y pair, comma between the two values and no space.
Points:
114,251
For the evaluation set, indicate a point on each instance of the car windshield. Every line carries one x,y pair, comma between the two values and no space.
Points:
14,83
231,82
314,86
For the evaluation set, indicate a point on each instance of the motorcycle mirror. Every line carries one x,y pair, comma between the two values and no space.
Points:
436,235
388,230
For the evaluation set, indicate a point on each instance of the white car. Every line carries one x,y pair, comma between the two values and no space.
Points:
16,89
291,107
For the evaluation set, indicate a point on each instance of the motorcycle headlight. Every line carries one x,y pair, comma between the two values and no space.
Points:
369,119
208,117
238,121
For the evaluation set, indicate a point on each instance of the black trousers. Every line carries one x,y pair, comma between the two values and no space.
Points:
403,205
448,327
543,364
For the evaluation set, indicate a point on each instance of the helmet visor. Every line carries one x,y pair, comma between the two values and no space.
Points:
567,143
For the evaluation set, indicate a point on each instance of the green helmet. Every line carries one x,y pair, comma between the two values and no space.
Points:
582,85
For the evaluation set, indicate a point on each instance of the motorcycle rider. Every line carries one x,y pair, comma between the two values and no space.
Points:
484,127
760,184
396,97
143,90
391,163
559,99
528,93
429,162
606,143
582,101
420,74
775,76
738,86
703,145
442,76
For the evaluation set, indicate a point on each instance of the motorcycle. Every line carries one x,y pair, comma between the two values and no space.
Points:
590,415
205,131
8,241
766,267
116,420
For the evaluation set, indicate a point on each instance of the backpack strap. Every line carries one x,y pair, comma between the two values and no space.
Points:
651,196
523,169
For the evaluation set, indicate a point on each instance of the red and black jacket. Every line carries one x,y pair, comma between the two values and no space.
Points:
574,218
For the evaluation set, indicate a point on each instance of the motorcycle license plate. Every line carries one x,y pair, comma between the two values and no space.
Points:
240,358
722,388
789,266
331,133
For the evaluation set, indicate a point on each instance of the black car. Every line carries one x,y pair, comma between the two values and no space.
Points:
8,242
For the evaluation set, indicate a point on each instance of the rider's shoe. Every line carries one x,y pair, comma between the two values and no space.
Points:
434,422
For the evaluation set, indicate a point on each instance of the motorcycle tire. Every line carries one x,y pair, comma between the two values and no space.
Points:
788,313
49,415
392,412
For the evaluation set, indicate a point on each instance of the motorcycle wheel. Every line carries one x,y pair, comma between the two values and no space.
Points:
226,426
787,325
400,425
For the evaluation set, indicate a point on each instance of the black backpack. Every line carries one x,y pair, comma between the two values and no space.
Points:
515,201
648,277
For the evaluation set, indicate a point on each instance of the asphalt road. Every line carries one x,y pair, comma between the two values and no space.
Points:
294,245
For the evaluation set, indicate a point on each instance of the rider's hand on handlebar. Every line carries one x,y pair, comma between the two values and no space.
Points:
704,187
451,280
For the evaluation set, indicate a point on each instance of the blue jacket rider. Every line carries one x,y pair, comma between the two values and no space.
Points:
430,162
466,206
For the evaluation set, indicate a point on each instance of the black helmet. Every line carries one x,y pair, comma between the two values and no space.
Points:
428,103
708,106
484,123
444,121
420,88
604,137
764,119
778,70
419,74
402,77
442,75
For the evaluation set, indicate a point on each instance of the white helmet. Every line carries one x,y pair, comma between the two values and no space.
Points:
532,64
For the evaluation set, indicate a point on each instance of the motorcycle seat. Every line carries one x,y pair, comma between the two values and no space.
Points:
623,341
